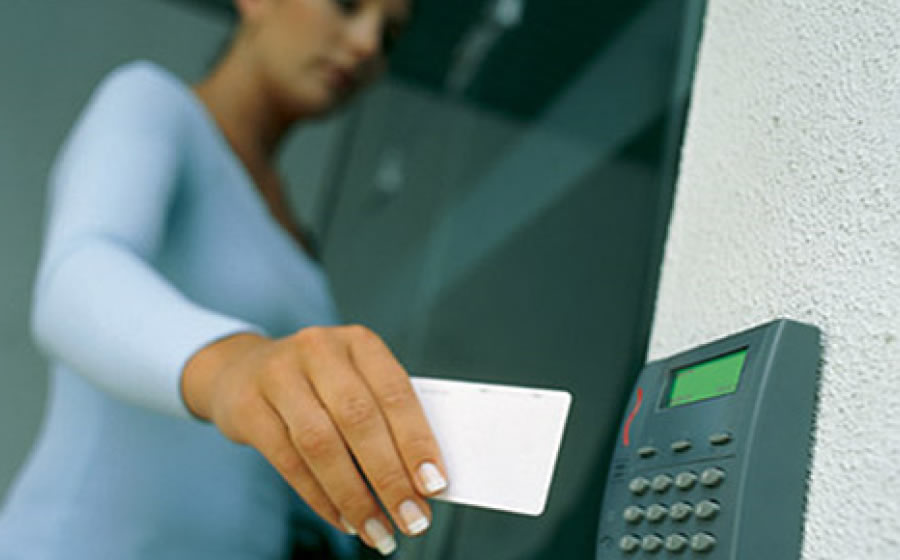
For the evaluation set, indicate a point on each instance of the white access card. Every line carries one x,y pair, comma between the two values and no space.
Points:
499,443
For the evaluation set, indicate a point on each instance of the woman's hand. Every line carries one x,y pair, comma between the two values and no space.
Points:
316,404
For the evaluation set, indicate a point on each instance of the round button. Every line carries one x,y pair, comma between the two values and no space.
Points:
681,445
652,543
703,542
685,480
629,543
681,511
633,514
661,483
707,509
712,477
638,485
656,513
676,542
720,438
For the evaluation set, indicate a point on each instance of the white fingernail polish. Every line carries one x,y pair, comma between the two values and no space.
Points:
432,478
347,526
383,540
415,520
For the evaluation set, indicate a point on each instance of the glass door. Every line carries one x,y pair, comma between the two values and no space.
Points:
499,215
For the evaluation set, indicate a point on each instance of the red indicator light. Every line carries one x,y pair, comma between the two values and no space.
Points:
637,406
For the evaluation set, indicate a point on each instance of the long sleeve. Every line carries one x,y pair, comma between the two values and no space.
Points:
99,305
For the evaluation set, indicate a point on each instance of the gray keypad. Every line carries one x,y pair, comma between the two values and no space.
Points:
663,516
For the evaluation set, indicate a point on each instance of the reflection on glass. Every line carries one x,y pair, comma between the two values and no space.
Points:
500,217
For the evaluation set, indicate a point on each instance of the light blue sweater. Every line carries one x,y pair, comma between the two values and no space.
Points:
157,244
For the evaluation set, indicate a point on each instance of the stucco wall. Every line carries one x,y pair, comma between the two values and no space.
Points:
788,204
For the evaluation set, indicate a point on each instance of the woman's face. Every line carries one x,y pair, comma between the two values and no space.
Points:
310,55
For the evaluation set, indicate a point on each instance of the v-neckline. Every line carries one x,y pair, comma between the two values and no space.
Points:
305,249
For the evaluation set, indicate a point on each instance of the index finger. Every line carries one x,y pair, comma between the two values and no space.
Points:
390,384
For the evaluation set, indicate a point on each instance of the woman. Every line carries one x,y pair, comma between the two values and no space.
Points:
174,289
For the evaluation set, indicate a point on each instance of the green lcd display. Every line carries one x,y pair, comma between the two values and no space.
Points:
706,380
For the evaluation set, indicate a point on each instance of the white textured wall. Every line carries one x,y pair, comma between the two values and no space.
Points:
788,204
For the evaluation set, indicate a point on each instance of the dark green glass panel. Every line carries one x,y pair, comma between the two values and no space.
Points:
505,221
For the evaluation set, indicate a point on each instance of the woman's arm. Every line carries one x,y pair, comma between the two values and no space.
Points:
99,306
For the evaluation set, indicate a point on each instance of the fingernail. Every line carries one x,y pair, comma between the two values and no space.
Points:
432,478
347,526
415,520
383,540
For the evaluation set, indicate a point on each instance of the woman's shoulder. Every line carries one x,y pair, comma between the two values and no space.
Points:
135,106
149,82
138,100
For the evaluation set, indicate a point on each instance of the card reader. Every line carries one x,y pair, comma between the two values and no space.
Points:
712,457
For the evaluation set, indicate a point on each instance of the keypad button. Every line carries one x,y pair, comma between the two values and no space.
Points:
652,543
703,542
686,480
638,485
656,513
633,514
647,451
629,543
707,509
681,511
676,542
681,445
720,438
661,483
712,477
